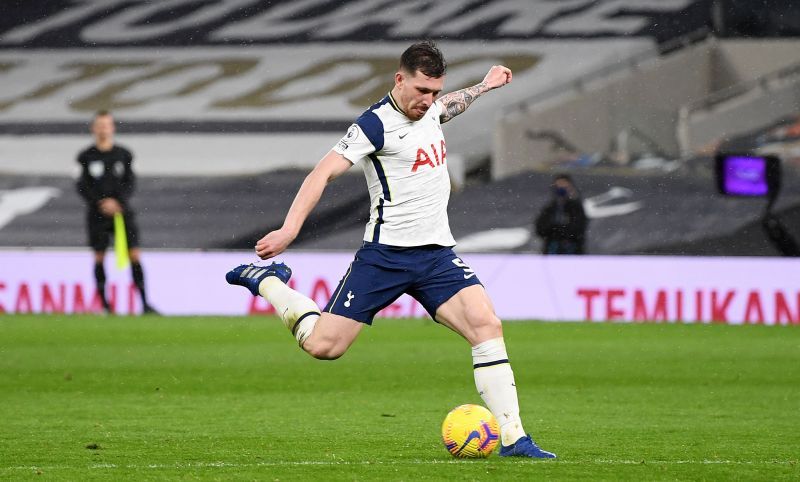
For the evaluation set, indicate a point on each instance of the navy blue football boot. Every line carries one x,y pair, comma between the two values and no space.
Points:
525,447
250,275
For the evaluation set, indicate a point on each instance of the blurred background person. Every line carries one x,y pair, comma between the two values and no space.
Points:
562,222
106,182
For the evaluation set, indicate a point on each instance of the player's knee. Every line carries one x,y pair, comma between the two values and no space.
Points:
485,325
325,350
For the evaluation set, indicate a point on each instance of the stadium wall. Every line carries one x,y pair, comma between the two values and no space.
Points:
590,118
643,96
523,287
760,89
758,106
738,60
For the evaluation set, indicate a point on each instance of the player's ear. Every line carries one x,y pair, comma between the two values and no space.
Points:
399,78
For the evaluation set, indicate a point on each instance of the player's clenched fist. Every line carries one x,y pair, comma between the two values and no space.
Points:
498,76
273,244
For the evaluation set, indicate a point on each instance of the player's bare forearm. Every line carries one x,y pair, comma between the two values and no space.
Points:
329,168
457,102
305,201
309,194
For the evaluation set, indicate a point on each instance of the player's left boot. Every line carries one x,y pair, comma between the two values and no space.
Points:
525,447
250,275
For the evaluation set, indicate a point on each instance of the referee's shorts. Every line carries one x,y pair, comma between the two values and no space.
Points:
101,228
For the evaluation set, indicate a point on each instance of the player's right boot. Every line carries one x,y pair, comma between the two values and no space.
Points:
250,275
525,447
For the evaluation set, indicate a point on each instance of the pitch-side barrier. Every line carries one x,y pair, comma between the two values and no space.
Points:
522,286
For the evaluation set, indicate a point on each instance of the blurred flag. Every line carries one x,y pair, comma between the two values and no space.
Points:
121,242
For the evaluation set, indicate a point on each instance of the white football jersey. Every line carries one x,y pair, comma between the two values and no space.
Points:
406,170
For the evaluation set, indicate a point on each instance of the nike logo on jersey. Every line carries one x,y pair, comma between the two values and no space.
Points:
468,276
402,136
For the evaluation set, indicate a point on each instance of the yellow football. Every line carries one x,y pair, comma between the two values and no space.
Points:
470,431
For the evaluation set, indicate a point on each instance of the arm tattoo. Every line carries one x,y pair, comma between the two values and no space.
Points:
457,102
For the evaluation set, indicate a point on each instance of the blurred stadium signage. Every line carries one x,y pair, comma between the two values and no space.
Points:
523,287
178,106
214,65
280,74
193,22
316,83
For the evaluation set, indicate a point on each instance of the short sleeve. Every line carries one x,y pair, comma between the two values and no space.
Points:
362,138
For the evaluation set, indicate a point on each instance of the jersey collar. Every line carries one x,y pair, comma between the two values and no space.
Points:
394,104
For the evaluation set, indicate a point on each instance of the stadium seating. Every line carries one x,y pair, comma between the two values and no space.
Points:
201,213
288,78
244,96
677,102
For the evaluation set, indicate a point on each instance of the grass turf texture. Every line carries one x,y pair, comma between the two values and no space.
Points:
86,397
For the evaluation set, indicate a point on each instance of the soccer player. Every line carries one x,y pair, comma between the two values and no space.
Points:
106,183
407,244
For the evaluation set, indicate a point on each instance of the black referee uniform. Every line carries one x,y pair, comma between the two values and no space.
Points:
109,174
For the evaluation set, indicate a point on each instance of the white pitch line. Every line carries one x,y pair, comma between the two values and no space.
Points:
221,464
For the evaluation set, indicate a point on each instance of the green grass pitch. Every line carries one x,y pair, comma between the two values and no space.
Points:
110,398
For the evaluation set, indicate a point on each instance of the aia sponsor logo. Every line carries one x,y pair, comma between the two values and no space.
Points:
432,158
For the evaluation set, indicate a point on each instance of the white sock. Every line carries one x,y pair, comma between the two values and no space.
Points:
495,382
298,312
